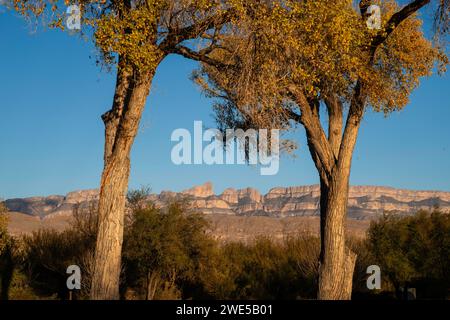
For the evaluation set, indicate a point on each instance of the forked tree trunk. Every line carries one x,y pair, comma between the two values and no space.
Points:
332,158
337,261
113,189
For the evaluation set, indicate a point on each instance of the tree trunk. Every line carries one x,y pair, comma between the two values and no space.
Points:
113,189
337,262
113,116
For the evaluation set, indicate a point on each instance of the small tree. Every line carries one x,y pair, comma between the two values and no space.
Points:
163,248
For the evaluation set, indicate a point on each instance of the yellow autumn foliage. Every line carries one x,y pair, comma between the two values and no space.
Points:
322,48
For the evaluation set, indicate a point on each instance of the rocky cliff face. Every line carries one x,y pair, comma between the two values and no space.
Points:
45,207
365,202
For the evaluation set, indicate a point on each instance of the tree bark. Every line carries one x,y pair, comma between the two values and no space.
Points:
112,117
120,134
337,262
335,123
332,157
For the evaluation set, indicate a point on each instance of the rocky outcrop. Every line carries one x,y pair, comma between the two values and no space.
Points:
365,202
35,206
52,205
203,191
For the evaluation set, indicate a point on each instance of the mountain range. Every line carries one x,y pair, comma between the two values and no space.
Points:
365,202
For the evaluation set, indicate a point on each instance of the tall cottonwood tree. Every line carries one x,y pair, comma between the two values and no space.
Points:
155,30
296,60
136,36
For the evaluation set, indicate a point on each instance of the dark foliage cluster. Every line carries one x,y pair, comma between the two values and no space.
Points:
168,253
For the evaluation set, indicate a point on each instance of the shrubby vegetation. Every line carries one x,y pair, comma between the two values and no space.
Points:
168,254
5,253
4,238
164,250
414,251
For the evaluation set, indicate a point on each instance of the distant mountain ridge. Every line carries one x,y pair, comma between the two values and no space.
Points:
365,202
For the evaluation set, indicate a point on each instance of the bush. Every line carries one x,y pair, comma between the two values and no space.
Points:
4,237
414,251
6,264
47,254
168,254
19,288
163,250
264,269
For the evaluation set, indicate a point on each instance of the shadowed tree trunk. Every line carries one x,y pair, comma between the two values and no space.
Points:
121,127
332,156
337,262
112,117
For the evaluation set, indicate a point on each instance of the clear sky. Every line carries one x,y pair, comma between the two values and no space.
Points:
52,95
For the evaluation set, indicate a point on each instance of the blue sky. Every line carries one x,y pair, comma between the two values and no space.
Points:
52,95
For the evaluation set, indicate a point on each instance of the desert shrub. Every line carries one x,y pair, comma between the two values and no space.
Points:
293,268
414,251
137,199
168,254
85,221
47,254
20,289
364,259
263,269
217,275
267,269
4,236
6,248
303,252
163,251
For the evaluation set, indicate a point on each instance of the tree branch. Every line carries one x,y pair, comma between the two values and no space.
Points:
352,125
317,141
398,18
357,106
335,123
177,36
314,154
201,56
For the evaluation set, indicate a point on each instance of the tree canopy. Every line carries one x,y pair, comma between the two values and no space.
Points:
321,51
141,32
